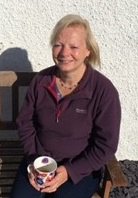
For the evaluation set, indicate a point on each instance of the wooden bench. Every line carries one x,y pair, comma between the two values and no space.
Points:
11,151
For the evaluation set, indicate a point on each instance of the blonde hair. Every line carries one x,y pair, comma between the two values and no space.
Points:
76,20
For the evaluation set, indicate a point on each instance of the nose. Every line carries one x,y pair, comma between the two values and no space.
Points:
64,51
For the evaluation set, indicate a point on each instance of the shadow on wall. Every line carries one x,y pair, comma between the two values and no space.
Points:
15,59
12,59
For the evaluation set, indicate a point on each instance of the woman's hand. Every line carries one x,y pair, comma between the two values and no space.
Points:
60,178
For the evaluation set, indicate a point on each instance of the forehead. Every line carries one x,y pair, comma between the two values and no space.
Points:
73,32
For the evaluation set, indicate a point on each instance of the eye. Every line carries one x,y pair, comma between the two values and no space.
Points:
57,45
74,47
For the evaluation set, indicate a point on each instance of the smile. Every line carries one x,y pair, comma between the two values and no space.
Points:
64,61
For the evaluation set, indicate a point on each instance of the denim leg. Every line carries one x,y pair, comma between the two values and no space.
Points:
84,189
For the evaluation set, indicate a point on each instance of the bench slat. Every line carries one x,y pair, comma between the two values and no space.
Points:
11,152
6,182
10,159
10,144
8,174
7,167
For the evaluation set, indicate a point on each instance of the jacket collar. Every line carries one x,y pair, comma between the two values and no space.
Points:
85,88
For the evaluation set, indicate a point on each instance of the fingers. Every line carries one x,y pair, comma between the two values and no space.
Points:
51,186
33,182
60,178
49,189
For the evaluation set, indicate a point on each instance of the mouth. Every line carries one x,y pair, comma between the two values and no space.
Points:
63,61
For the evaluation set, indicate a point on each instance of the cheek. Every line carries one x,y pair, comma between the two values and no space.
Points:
55,52
76,54
82,55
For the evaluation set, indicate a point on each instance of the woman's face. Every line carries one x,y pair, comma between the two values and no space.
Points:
70,50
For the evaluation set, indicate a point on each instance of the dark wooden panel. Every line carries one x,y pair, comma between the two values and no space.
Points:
11,151
4,191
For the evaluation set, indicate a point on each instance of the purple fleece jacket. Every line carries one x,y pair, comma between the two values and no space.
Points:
80,130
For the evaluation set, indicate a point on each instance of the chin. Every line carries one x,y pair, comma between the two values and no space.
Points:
65,67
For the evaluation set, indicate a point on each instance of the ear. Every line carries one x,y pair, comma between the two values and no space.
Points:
87,53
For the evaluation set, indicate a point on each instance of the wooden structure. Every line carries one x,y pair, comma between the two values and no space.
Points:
11,151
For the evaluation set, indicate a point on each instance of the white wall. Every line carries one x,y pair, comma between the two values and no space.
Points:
25,27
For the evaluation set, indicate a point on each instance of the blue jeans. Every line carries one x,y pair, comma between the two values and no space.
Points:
84,189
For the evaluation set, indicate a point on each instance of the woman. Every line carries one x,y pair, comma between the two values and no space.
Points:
72,113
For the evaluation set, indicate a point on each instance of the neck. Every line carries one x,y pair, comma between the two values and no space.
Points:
71,78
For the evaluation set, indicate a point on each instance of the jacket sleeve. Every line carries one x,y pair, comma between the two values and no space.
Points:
104,137
25,124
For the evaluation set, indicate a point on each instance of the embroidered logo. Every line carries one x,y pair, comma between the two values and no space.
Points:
82,111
